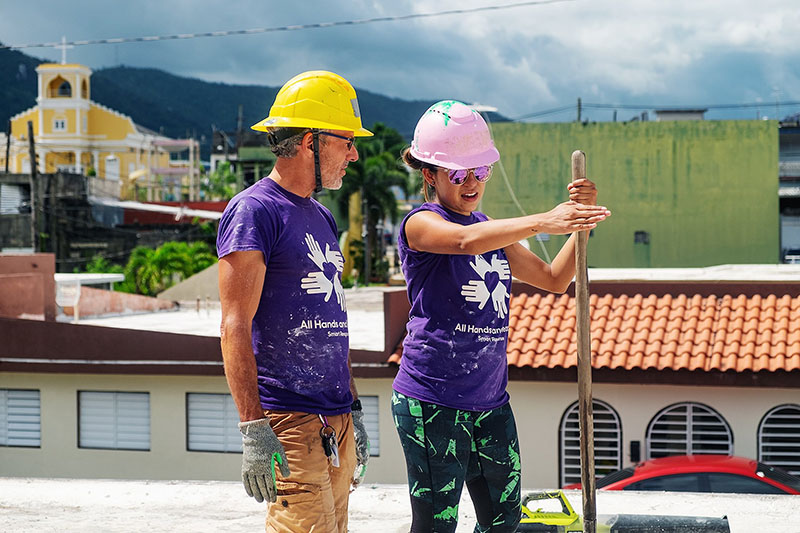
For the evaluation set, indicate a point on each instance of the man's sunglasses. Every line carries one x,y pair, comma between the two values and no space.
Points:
457,177
350,140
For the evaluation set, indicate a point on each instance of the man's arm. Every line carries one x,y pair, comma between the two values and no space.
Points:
241,280
359,432
353,390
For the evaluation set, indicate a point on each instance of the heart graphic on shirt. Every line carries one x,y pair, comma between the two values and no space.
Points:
326,280
489,285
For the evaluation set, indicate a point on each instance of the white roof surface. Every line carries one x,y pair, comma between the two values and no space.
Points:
89,279
713,273
365,319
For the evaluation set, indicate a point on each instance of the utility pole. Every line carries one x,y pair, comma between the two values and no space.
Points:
54,184
34,184
365,236
240,185
579,109
8,144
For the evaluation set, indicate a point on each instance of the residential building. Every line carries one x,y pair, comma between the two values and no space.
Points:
789,188
685,361
683,193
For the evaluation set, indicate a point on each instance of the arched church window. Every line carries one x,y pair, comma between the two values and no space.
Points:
59,88
65,89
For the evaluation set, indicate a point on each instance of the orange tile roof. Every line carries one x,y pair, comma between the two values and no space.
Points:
677,332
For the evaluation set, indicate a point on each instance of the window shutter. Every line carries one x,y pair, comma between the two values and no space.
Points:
11,196
688,429
607,442
370,406
20,418
114,420
212,423
779,438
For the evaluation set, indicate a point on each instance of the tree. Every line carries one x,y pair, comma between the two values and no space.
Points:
220,184
375,176
101,265
150,271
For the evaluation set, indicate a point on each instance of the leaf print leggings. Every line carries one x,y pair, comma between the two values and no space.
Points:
445,448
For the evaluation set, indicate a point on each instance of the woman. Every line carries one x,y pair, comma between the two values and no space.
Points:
450,403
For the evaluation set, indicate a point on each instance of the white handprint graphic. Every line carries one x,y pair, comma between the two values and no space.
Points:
339,290
481,266
478,291
315,252
499,297
334,257
475,291
501,267
318,282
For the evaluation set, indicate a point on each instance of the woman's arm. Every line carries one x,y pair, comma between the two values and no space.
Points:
426,231
555,277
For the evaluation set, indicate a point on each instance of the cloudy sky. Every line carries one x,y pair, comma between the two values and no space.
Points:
524,60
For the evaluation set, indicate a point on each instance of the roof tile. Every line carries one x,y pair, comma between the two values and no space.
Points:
682,331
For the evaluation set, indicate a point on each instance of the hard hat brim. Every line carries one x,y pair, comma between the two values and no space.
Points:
293,122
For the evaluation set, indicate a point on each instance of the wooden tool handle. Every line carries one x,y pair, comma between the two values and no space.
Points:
578,165
583,325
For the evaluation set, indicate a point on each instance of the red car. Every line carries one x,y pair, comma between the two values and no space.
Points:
700,473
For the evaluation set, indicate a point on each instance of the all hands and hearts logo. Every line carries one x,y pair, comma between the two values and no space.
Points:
490,285
327,280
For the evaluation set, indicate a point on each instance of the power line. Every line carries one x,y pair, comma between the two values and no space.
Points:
679,107
750,105
295,27
546,112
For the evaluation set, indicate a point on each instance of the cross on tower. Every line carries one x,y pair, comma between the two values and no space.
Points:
63,46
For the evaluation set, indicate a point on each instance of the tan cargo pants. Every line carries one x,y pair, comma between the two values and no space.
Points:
314,498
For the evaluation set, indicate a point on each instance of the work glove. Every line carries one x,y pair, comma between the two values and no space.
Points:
260,450
362,448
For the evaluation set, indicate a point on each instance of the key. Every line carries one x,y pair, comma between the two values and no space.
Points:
329,444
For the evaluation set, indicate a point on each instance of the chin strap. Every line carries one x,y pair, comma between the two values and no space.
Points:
317,174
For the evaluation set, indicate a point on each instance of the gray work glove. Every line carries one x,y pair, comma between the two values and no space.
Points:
362,447
260,450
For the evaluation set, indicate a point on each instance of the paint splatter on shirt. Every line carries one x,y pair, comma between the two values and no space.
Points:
300,334
455,352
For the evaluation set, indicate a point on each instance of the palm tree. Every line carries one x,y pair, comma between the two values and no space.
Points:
141,271
221,183
375,176
150,272
200,257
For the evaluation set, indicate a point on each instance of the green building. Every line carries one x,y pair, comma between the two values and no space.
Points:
690,193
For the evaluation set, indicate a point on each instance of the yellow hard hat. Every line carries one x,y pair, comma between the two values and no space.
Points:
315,99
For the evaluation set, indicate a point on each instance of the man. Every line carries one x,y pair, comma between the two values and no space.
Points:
284,329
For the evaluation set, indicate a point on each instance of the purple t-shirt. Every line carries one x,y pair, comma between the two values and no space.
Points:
300,336
454,354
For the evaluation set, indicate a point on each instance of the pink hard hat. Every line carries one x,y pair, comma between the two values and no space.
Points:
452,135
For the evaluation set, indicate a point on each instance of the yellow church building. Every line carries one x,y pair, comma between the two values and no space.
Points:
75,134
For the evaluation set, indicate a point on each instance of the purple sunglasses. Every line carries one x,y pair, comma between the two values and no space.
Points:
457,177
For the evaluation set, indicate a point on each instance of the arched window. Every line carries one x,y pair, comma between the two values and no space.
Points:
59,88
688,429
779,438
65,89
84,90
607,442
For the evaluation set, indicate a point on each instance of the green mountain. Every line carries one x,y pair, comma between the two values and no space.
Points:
180,107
